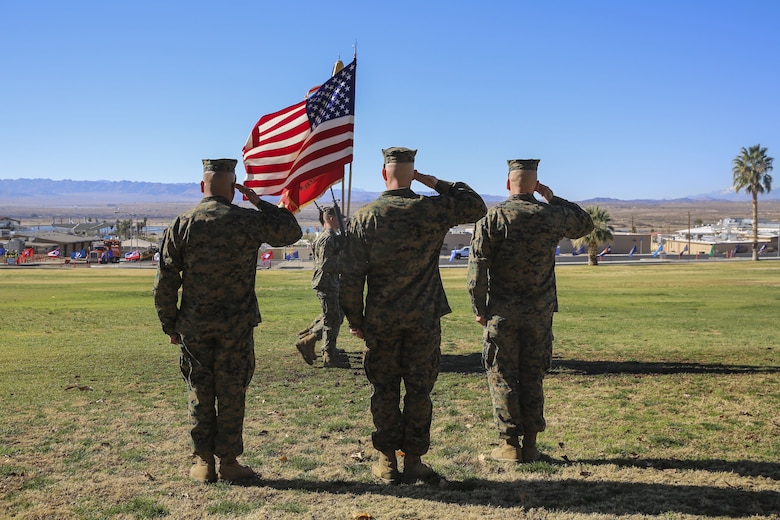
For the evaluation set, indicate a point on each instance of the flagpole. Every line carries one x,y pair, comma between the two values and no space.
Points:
349,192
336,69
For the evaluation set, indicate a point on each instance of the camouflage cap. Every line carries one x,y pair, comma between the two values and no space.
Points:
399,155
219,165
326,211
523,164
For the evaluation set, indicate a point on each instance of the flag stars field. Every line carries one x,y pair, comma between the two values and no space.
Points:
300,151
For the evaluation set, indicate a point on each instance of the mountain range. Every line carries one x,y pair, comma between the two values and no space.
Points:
63,193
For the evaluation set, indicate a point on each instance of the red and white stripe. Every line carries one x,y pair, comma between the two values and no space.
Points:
282,150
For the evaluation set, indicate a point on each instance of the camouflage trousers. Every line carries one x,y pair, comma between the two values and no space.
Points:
517,352
412,355
328,323
217,369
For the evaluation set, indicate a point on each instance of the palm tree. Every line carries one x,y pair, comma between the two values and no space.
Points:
751,171
602,232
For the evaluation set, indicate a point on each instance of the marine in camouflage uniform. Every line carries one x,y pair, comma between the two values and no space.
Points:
210,252
511,280
393,246
325,282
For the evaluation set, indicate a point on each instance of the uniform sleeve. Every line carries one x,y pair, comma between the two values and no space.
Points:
576,221
479,267
353,277
279,225
167,281
466,203
330,255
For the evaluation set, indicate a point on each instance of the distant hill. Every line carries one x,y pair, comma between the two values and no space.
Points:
41,201
23,192
715,196
64,193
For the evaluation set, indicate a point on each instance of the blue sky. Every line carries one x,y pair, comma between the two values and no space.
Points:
624,99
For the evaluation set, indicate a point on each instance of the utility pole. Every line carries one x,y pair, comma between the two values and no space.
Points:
689,235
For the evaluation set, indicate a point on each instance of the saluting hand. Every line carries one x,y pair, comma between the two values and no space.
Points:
544,191
250,195
428,180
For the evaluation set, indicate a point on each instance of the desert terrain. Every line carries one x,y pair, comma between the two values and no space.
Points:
654,216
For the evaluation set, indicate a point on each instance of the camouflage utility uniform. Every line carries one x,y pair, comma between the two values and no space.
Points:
325,282
394,244
511,279
210,252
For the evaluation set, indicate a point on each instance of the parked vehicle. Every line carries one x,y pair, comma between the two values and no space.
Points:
148,254
106,251
463,252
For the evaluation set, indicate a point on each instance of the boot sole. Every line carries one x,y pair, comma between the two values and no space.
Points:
306,357
387,480
540,458
517,459
210,479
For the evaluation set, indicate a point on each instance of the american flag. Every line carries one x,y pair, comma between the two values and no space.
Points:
308,139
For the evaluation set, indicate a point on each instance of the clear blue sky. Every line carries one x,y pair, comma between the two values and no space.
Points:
624,99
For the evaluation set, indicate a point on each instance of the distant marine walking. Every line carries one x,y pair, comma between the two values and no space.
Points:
325,281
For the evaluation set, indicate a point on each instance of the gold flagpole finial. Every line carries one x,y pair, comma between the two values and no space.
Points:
337,67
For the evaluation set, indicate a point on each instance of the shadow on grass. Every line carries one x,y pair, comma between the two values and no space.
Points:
580,496
638,367
746,468
462,363
472,364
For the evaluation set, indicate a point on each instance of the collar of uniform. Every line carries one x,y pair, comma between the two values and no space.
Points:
523,196
218,198
400,192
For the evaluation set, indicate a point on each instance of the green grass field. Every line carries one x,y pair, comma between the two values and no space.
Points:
663,402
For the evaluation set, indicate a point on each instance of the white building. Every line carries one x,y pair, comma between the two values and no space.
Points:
730,235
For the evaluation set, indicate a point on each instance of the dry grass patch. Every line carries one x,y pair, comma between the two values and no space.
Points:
662,403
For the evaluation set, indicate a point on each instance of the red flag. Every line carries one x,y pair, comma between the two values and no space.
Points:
295,198
267,255
308,139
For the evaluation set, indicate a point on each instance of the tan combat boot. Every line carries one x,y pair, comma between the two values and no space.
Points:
508,451
231,470
337,359
305,346
204,469
529,451
386,468
415,469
